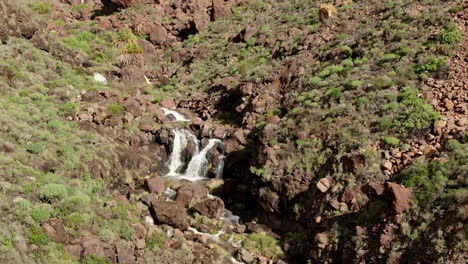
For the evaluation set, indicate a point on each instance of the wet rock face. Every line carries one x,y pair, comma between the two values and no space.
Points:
170,213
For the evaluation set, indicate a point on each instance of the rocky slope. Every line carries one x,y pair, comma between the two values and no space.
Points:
341,127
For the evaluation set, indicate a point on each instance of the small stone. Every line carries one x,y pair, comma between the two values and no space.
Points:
244,255
429,151
140,244
146,127
388,165
449,104
322,239
274,119
335,204
240,228
323,184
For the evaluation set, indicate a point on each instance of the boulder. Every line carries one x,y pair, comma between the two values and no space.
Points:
133,75
171,213
155,184
401,195
132,106
190,192
56,231
327,11
125,252
201,20
158,35
211,208
220,9
92,246
245,256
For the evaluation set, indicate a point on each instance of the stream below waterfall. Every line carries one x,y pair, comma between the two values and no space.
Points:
196,169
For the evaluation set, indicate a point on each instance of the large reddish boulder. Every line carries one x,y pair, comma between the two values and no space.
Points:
220,9
190,192
170,213
158,35
211,208
125,252
56,231
401,195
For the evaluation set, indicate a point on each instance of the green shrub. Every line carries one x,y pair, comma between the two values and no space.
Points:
76,221
40,215
428,180
37,236
348,63
72,204
450,35
53,192
79,7
124,37
156,240
263,244
126,233
116,109
69,108
133,48
30,187
431,66
42,8
392,141
36,148
382,82
416,115
333,92
456,8
93,259
354,84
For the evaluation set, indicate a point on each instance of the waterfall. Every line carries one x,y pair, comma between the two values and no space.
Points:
197,168
178,116
198,165
219,170
178,146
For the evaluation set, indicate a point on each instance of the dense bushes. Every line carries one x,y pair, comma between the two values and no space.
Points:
53,192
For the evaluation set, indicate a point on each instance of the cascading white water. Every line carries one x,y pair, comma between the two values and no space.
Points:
178,146
198,165
178,116
197,169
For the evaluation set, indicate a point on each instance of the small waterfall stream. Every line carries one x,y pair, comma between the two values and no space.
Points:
197,167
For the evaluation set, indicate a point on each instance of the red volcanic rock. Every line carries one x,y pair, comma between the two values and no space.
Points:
402,196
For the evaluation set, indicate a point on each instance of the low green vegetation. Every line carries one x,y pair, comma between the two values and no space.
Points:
263,244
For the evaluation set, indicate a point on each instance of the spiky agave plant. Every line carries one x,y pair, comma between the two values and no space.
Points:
132,53
129,50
